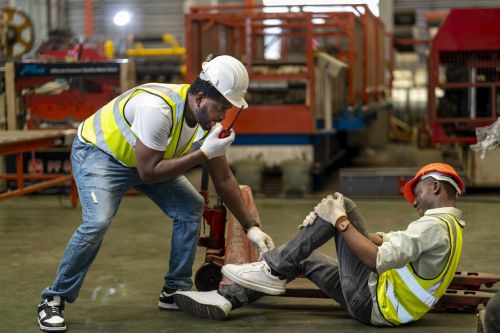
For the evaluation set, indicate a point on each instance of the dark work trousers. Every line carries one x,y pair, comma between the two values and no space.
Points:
492,315
345,280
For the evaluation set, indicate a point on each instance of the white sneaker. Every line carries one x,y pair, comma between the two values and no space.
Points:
255,276
51,314
203,304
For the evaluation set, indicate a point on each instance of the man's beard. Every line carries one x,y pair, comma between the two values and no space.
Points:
202,118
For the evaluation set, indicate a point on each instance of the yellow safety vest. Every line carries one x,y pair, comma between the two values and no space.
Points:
403,296
109,130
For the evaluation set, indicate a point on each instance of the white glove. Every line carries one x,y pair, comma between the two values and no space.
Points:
213,146
309,220
331,208
263,242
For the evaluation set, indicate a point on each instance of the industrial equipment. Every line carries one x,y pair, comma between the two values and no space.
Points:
56,95
464,79
66,82
62,94
235,248
314,76
17,143
209,274
154,59
464,87
16,33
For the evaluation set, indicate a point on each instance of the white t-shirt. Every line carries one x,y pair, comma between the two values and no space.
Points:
153,123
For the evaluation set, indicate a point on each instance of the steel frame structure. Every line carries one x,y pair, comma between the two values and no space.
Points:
356,36
18,142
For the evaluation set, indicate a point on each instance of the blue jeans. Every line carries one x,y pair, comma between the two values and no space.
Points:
102,182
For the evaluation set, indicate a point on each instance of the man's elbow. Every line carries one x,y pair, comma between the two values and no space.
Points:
225,182
147,177
372,262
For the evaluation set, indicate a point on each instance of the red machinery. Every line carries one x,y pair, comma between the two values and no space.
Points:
464,81
316,72
282,93
209,274
236,249
61,94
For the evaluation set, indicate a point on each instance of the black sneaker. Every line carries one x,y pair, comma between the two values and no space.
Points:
166,300
51,314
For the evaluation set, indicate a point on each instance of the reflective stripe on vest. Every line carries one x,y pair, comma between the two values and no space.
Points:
404,297
109,130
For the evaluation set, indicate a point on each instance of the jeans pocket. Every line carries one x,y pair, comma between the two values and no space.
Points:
79,154
361,305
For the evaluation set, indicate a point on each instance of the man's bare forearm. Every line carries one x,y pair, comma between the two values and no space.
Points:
376,239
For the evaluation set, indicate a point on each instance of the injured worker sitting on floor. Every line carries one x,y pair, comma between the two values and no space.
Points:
383,279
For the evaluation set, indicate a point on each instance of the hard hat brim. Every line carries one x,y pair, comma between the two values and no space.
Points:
238,103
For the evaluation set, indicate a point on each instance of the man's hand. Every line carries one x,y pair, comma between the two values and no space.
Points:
309,220
263,242
331,208
215,147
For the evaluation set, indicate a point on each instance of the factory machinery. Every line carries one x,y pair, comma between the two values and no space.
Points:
318,76
63,84
463,95
464,87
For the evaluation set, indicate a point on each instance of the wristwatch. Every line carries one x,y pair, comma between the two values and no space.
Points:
342,224
249,224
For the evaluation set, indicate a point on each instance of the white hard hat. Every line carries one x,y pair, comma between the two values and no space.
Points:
229,76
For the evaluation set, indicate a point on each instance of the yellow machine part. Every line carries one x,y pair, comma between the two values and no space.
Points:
140,51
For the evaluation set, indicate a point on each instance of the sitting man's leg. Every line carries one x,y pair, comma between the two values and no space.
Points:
217,304
285,264
345,281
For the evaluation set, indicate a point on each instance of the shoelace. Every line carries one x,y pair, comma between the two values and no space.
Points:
255,267
54,310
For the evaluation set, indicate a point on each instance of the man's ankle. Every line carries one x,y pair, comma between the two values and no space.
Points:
277,274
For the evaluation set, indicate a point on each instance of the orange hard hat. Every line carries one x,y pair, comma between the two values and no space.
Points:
439,171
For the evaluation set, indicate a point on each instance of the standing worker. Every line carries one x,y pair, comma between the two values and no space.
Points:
146,139
383,279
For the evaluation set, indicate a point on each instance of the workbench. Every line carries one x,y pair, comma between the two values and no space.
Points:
18,142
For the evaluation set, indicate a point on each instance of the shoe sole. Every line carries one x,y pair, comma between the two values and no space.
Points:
168,306
51,329
264,288
205,311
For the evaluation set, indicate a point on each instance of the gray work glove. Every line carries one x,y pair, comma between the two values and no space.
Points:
331,208
308,220
213,146
260,239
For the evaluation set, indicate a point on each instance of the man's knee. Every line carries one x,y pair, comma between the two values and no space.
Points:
349,204
194,208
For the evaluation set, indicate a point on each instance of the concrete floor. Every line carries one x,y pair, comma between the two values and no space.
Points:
121,289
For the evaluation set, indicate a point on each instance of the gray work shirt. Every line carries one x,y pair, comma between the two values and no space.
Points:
425,244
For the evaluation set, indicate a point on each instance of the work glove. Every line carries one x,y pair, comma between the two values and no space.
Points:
213,146
309,220
260,239
331,208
